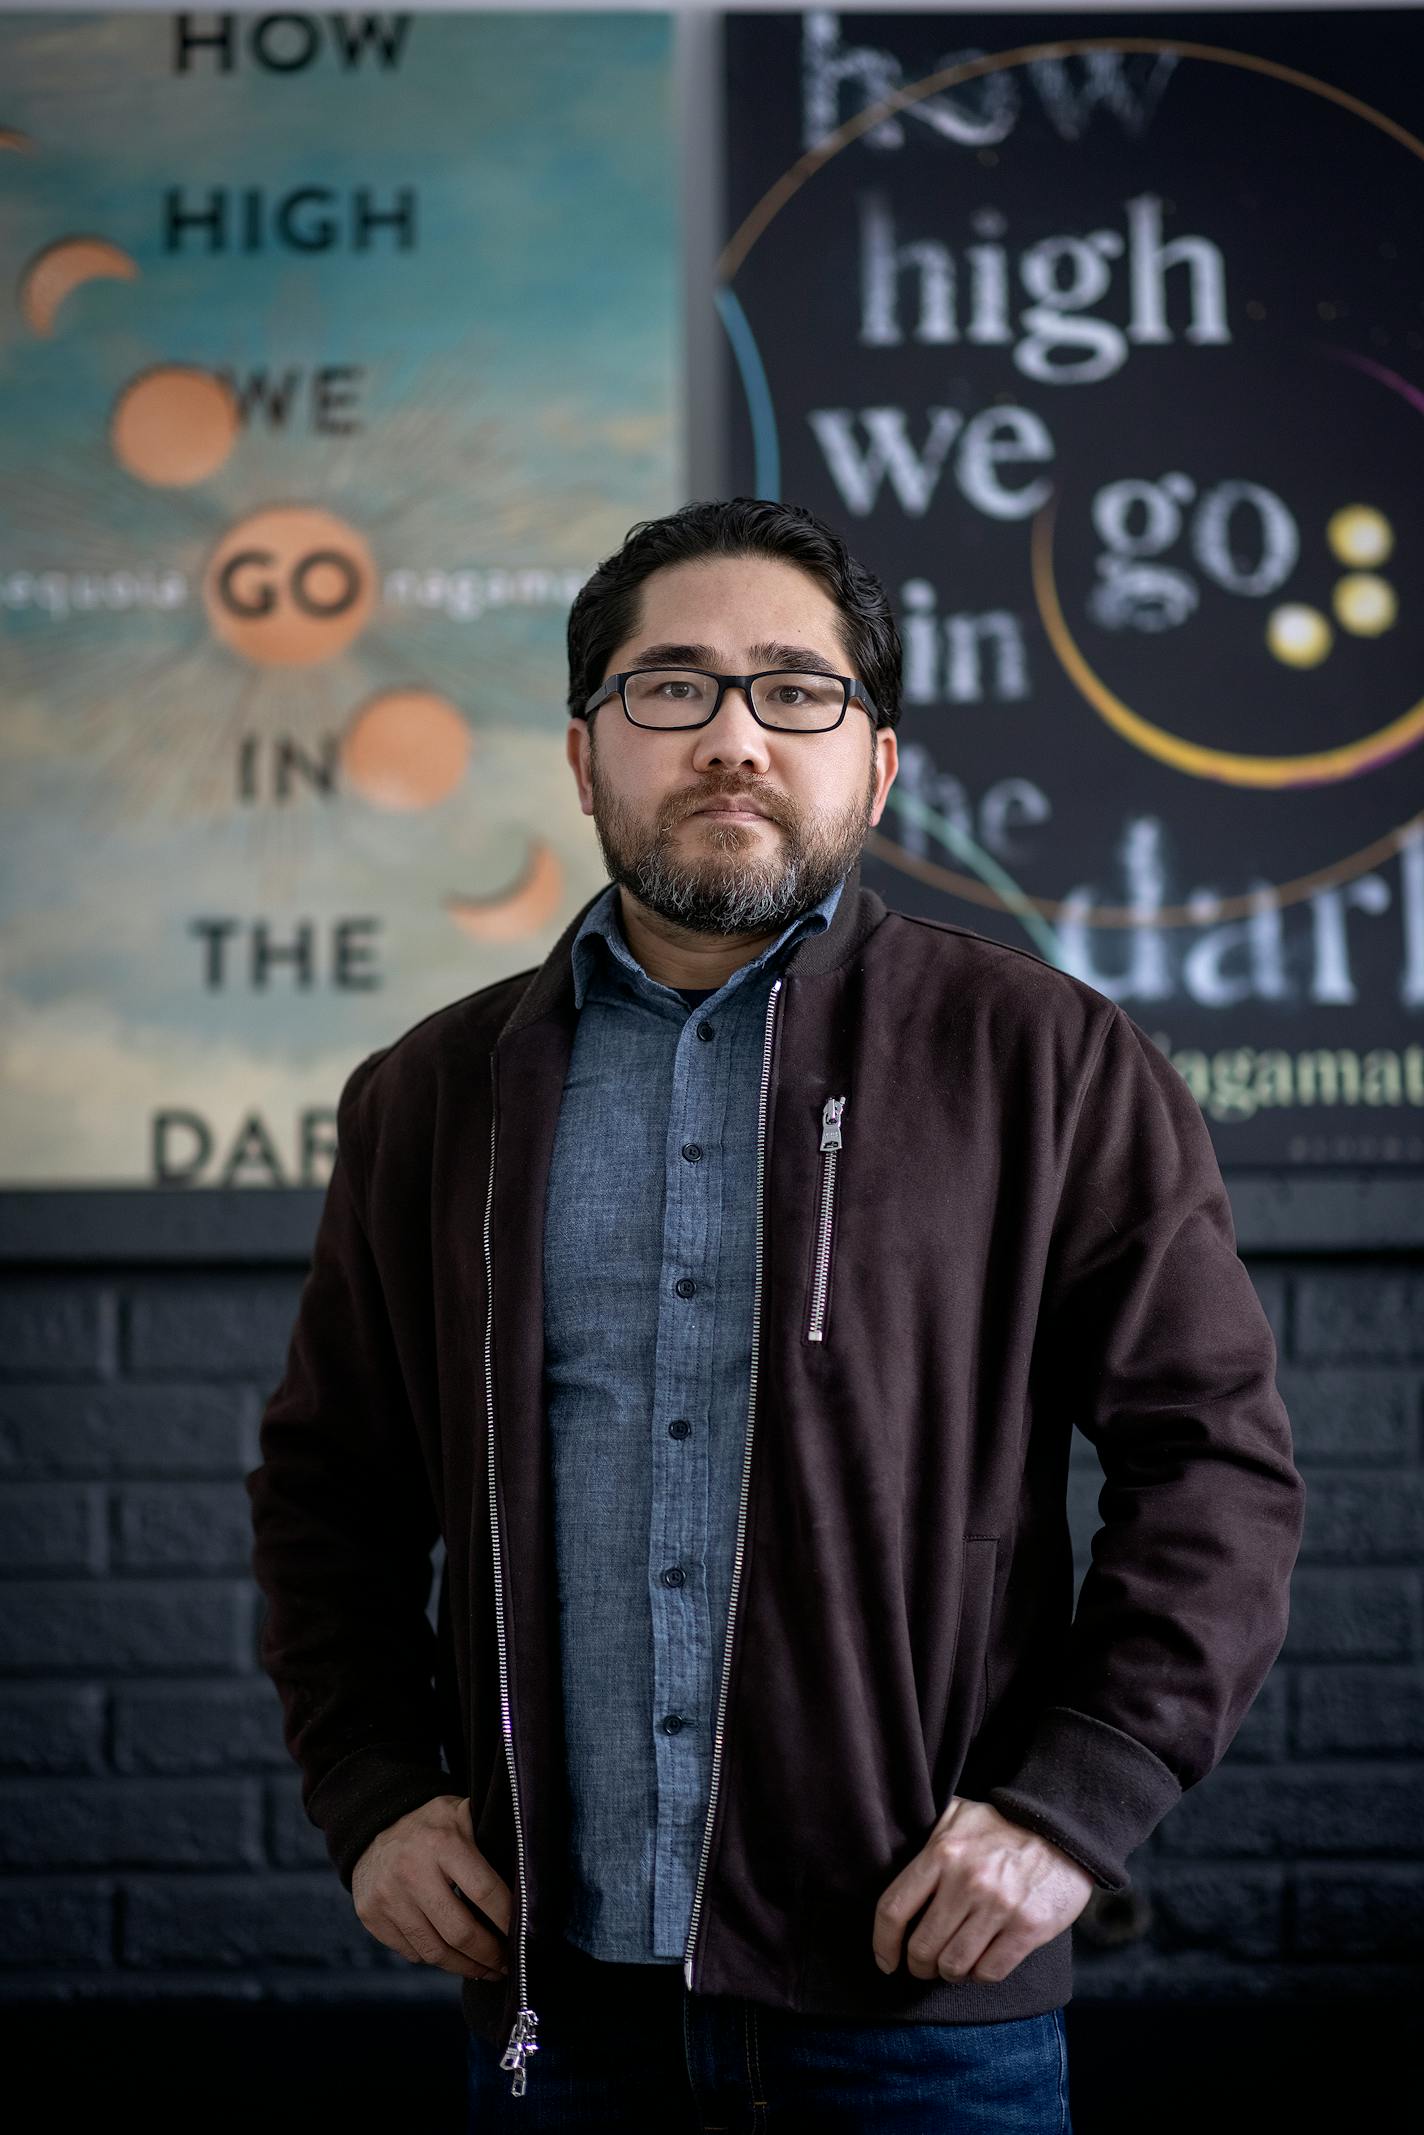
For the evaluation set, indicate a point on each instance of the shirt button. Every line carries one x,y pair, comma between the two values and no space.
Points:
672,1722
685,1286
674,1576
693,1152
705,1030
679,1427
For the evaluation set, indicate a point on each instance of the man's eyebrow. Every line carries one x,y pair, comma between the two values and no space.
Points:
763,655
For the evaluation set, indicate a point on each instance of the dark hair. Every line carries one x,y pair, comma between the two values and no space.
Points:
604,611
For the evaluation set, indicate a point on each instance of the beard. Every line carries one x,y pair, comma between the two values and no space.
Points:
729,878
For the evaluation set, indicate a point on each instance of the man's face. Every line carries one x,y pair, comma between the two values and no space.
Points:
815,796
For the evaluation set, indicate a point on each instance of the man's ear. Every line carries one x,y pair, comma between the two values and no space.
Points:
578,747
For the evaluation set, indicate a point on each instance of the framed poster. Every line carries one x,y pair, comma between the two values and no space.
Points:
335,350
1101,338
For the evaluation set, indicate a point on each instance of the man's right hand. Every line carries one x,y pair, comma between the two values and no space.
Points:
407,1888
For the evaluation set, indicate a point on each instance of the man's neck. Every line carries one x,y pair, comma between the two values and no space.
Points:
677,956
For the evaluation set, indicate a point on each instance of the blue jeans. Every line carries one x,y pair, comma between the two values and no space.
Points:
626,2050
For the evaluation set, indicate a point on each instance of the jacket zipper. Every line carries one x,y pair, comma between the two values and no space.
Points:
742,1508
830,1147
522,2040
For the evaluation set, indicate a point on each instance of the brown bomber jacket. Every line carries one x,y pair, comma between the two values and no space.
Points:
1034,1236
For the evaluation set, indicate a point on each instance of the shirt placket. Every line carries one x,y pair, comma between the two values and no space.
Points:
686,1641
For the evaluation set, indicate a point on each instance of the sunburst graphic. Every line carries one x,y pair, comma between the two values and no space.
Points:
278,617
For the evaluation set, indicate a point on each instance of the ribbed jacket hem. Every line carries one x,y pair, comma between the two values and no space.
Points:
1042,1981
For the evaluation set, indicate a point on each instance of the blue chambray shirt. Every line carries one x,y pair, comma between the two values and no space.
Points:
652,1183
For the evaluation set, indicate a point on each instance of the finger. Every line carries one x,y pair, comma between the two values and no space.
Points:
462,1864
899,1902
1001,1953
462,1924
950,1918
959,1955
412,1920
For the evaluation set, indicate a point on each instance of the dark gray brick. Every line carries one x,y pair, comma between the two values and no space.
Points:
56,1920
1261,1737
52,1527
293,1840
1370,1709
1356,1415
51,1727
128,1430
1214,1906
1364,1516
1337,1615
1203,1976
183,1527
86,1988
56,1330
1305,1810
1373,1315
198,1921
108,1823
1370,1910
126,1627
214,1330
129,1822
199,1727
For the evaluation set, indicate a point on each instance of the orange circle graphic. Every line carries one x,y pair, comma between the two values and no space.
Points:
407,748
174,426
290,586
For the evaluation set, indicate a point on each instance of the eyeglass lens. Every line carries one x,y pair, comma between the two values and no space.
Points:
671,696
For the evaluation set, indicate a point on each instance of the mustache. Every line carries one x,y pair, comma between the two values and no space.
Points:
736,796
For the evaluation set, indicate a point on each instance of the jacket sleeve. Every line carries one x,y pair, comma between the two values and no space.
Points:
1152,1329
343,1525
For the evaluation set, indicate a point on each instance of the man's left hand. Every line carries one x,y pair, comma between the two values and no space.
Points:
996,1890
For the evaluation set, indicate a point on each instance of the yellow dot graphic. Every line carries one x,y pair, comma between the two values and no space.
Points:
1365,605
1298,635
1360,535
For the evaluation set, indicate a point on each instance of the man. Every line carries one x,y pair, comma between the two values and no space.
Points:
726,1291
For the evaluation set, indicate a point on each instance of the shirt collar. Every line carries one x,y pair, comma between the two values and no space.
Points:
603,922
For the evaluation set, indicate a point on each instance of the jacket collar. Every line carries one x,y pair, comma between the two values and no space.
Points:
550,991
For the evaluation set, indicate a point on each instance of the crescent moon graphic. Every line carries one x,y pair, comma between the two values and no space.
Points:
50,277
512,914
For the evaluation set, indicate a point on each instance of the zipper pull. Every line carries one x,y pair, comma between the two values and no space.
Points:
831,1122
522,2043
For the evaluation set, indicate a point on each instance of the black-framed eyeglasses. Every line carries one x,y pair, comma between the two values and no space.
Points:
790,700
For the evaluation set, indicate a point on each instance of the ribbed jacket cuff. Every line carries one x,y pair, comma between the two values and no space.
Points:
364,1795
1093,1790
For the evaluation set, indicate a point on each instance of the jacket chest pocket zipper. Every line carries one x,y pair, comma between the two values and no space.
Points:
820,1282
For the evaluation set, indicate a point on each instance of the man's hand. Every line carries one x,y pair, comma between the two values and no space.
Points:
410,1887
997,1890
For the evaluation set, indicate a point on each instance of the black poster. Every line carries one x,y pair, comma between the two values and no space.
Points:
1101,339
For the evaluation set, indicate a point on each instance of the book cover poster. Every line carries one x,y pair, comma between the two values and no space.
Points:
1100,337
335,350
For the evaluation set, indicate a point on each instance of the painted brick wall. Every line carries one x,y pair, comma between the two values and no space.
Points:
152,1840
